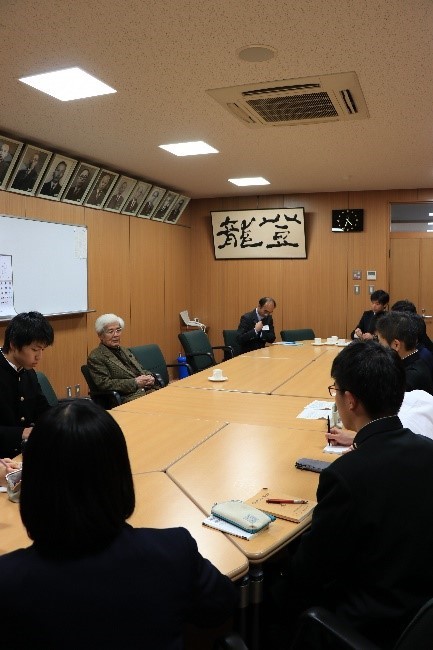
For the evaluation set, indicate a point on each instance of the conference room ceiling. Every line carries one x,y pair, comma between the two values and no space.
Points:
162,57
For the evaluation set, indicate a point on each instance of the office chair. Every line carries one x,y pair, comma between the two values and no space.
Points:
305,334
418,633
46,388
231,341
199,351
108,399
152,359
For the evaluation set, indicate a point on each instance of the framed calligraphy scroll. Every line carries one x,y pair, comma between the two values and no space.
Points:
271,233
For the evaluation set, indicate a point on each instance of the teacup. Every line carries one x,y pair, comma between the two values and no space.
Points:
217,374
341,341
334,339
330,340
317,340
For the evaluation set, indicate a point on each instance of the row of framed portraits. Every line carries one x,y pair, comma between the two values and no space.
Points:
30,170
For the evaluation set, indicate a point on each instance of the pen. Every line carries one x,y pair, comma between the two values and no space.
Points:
329,425
286,501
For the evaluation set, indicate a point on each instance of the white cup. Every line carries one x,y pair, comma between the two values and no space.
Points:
341,341
317,341
217,374
334,339
330,339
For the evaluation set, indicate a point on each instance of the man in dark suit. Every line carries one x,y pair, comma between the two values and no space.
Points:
256,328
115,203
367,556
27,177
76,191
366,327
114,367
53,186
98,194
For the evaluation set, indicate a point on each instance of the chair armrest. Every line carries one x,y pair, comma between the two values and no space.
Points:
158,379
320,617
201,354
108,399
181,363
226,348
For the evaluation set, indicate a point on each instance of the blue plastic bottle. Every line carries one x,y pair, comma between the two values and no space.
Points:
183,370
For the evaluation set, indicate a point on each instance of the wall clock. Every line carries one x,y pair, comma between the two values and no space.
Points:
347,220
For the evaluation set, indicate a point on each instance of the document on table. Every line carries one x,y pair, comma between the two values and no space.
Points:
335,449
316,410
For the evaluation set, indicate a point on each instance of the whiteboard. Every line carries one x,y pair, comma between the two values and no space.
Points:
43,267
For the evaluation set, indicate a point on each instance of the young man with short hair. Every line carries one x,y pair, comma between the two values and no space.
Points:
366,327
21,397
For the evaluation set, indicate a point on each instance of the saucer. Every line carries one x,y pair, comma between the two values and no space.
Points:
215,379
330,343
342,345
318,344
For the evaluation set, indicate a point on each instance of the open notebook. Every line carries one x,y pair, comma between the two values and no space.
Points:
191,323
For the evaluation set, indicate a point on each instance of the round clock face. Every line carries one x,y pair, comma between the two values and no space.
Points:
347,220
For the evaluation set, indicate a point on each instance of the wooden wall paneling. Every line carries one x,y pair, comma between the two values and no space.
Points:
146,280
426,285
404,269
178,267
108,270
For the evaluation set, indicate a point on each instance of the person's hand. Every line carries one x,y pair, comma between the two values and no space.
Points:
367,336
145,381
27,431
358,333
342,437
10,466
259,326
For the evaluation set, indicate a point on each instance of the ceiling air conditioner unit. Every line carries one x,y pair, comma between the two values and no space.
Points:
328,98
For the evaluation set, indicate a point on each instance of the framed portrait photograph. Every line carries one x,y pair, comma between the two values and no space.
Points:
152,201
80,183
101,188
176,209
120,194
164,206
56,177
29,171
9,152
137,198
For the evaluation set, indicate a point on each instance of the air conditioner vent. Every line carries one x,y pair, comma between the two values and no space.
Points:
329,98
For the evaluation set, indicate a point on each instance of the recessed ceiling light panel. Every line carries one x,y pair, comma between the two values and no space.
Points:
245,182
256,53
68,84
189,148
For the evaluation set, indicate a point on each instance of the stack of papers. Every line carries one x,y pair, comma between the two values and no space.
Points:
231,529
316,410
332,449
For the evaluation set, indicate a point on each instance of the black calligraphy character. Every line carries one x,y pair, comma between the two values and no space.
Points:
228,232
245,236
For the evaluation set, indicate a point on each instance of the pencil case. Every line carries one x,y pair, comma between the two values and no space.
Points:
242,515
311,464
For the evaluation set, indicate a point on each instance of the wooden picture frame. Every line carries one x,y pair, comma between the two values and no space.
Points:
9,152
30,169
56,178
101,188
177,208
152,201
80,183
120,194
136,198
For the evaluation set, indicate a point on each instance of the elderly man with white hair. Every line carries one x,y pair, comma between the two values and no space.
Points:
114,367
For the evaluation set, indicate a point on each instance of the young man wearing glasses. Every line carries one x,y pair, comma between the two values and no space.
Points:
114,367
367,556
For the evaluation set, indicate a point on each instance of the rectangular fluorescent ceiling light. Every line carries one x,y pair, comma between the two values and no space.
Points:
68,84
189,148
244,182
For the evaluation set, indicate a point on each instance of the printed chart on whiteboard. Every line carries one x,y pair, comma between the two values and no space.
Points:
6,286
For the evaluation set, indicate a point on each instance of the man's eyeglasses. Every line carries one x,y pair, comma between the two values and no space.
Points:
333,390
112,332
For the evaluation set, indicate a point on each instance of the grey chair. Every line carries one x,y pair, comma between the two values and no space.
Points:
151,358
46,388
108,399
198,350
304,334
